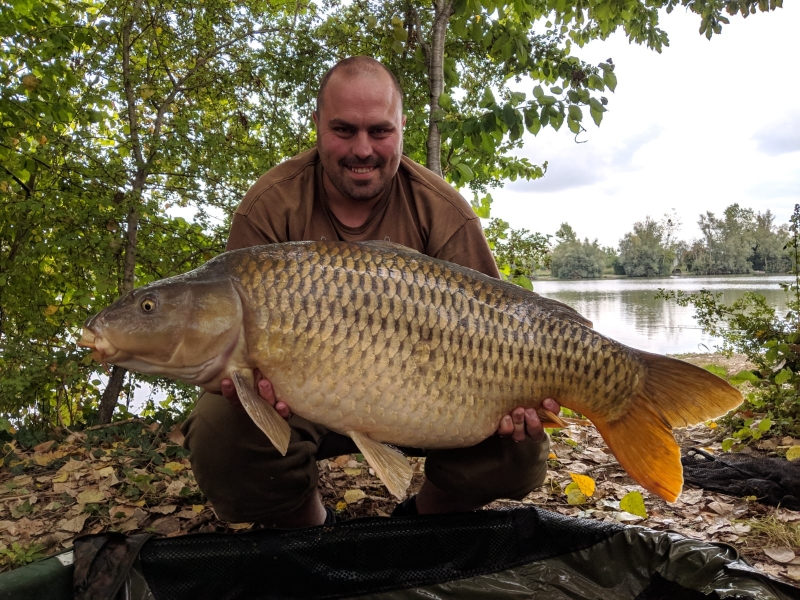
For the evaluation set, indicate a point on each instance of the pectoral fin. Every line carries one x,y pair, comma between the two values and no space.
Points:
550,420
390,466
265,416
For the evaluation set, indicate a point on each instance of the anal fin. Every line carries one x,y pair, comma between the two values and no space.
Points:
390,466
264,416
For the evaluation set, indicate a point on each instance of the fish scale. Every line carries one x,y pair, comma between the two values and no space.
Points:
384,344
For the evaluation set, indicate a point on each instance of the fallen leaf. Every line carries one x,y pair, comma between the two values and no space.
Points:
352,496
585,484
174,488
721,508
198,508
175,467
239,526
128,525
574,494
74,525
166,525
793,573
44,446
176,435
793,453
633,503
73,465
352,471
91,496
781,555
341,505
341,461
167,509
103,471
45,459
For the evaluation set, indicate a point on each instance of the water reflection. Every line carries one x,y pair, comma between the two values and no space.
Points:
625,309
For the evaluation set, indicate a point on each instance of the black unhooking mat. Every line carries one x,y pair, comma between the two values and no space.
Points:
774,481
510,554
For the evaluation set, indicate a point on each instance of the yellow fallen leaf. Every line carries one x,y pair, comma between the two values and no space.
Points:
712,425
552,456
198,508
352,472
793,453
175,467
45,459
351,496
239,526
91,496
139,503
61,477
633,502
341,505
104,471
50,310
585,483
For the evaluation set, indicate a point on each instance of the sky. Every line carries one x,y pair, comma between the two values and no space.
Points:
696,128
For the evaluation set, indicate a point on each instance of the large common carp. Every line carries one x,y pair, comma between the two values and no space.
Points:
384,344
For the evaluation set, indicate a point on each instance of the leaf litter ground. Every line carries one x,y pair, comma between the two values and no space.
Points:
135,476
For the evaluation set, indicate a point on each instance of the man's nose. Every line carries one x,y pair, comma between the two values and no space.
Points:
362,145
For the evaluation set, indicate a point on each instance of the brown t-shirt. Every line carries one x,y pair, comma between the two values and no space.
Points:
419,210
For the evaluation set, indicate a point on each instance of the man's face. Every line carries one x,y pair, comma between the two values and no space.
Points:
360,134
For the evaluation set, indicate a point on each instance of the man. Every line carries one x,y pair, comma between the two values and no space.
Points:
355,185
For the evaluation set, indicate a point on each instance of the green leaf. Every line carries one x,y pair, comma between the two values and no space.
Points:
727,444
574,126
743,376
466,173
597,116
445,101
538,92
633,503
574,494
784,376
764,424
717,370
610,80
575,113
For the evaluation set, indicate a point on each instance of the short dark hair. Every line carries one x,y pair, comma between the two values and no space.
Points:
356,65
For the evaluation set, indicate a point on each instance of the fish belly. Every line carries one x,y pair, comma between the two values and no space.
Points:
417,352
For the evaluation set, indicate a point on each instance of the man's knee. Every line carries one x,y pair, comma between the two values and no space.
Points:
496,468
238,468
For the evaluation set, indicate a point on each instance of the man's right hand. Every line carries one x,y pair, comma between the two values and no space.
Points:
265,391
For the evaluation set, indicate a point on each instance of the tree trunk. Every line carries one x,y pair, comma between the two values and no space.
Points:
108,402
434,61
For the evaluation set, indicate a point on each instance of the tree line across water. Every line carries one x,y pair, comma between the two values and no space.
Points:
739,241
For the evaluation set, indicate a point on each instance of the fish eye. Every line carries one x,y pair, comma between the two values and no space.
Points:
148,305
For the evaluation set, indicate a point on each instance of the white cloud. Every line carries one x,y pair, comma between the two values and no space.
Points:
696,128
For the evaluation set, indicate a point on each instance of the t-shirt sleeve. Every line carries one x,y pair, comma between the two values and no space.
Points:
244,233
468,247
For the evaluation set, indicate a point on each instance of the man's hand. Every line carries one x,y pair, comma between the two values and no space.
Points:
265,391
524,422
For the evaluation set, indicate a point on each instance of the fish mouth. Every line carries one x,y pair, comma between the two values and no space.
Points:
100,348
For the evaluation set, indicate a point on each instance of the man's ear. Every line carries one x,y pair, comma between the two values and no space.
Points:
404,121
316,124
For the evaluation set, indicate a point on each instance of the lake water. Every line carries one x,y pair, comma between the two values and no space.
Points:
625,309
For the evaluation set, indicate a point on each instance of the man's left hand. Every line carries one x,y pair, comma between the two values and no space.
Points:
522,423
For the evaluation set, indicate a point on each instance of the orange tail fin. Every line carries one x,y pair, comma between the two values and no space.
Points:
674,394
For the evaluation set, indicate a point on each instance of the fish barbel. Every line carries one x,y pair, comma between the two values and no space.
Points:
384,344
